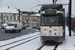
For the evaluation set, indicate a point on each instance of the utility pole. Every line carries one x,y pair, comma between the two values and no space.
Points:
54,1
70,17
2,19
19,14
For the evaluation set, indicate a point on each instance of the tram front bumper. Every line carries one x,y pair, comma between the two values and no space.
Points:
52,38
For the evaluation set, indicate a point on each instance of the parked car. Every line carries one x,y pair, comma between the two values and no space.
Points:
35,26
27,26
13,26
23,27
38,27
2,27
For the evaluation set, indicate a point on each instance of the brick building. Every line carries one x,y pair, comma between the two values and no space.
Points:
30,20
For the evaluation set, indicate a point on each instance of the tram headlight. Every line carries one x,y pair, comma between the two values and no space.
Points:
44,33
54,29
45,29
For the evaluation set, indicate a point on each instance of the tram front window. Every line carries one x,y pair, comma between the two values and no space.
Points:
50,21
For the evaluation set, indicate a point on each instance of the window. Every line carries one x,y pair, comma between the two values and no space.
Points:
14,17
50,20
7,18
35,19
28,19
4,20
23,19
38,19
18,17
36,24
10,17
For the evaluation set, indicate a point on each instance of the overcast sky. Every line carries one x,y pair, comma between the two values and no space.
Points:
26,5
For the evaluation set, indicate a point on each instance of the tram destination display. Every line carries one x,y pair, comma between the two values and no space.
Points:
50,12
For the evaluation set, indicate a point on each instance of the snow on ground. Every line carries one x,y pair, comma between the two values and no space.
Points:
8,46
17,38
50,47
68,44
67,31
32,45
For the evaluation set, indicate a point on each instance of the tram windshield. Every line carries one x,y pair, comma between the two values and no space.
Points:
51,21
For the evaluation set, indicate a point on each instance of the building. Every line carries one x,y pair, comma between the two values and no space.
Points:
31,19
8,14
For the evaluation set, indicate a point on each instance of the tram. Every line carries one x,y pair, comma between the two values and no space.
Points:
52,23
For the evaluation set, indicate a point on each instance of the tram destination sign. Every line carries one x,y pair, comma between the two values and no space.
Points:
50,12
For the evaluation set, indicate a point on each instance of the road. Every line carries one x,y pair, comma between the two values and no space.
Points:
32,42
5,36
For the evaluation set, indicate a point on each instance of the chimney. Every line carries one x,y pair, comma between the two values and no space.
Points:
8,6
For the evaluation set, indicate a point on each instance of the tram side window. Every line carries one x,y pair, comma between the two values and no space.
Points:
60,21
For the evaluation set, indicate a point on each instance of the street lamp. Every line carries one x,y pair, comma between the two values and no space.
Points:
18,13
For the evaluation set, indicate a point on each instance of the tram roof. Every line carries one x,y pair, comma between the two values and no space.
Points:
52,6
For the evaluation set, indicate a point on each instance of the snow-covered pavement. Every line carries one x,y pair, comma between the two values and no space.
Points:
32,45
12,42
68,44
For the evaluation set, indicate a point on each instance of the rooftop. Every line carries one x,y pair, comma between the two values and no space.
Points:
8,10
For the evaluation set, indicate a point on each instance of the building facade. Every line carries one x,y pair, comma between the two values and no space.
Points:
8,14
9,17
31,20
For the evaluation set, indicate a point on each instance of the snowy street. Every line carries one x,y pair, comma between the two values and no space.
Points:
32,42
37,25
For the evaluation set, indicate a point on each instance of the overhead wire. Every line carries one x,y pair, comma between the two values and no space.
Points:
60,1
39,1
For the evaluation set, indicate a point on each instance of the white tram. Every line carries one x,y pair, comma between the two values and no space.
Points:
52,25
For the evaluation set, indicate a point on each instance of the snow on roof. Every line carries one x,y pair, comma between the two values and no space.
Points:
35,14
8,10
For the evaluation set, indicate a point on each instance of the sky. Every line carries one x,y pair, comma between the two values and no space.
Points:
26,5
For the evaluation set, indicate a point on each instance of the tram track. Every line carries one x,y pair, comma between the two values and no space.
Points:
55,46
27,40
41,47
